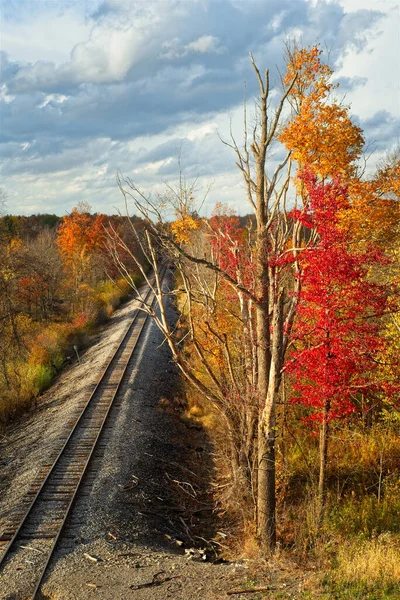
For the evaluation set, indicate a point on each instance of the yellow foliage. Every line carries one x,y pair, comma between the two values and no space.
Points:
182,227
374,214
391,332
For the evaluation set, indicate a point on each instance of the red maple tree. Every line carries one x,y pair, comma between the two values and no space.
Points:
336,333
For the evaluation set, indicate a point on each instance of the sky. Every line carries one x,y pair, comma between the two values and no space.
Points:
90,87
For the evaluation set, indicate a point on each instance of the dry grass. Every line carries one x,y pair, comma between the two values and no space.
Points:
367,565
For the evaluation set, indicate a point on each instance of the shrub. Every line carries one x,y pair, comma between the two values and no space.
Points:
48,346
45,349
368,515
41,377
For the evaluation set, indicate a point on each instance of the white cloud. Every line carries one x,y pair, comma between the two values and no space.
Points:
42,35
101,53
204,44
121,88
153,166
54,98
4,95
201,132
379,64
109,54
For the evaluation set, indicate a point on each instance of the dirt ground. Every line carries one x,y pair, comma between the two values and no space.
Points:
143,520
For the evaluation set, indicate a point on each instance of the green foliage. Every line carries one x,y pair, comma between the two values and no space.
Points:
50,221
363,487
41,376
368,515
12,226
110,295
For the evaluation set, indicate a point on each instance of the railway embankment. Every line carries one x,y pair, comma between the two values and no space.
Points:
143,519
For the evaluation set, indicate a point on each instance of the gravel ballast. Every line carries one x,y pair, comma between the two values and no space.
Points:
142,522
130,531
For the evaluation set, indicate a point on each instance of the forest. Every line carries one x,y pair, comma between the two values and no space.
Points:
58,283
288,338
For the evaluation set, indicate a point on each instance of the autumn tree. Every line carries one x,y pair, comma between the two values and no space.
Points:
382,224
40,271
13,324
122,226
372,217
80,236
320,132
374,211
389,360
221,330
337,323
10,336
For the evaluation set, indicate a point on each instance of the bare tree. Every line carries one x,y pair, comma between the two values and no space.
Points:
267,305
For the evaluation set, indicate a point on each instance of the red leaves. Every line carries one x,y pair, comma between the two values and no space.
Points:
303,216
336,329
230,246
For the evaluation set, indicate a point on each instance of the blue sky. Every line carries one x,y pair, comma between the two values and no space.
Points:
91,86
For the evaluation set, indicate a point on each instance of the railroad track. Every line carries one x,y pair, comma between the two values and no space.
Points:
30,539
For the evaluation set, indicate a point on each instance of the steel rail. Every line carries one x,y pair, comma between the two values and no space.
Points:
113,362
74,427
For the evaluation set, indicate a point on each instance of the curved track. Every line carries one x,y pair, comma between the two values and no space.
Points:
42,516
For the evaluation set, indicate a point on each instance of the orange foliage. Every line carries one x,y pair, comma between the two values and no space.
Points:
375,209
80,234
388,177
320,132
313,76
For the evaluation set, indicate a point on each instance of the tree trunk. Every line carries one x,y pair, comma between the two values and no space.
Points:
266,504
266,499
323,456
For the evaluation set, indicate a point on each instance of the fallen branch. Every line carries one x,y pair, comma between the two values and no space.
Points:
185,486
31,548
253,591
175,464
90,557
187,530
154,582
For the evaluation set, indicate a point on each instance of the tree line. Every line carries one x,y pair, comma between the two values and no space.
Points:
57,284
